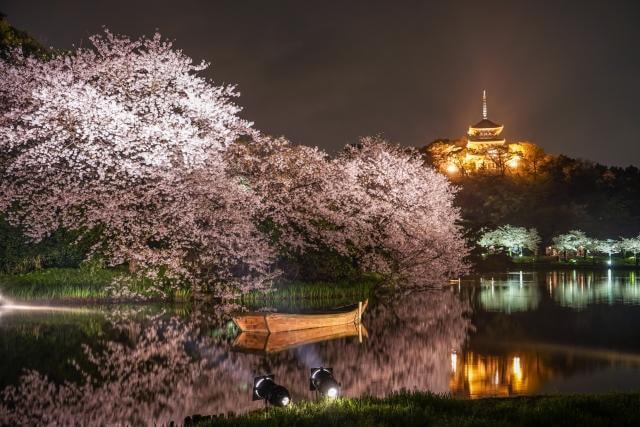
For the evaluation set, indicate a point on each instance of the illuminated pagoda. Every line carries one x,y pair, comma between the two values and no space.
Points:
482,150
485,133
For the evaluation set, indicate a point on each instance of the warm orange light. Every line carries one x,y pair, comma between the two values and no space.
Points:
451,168
513,163
517,369
454,362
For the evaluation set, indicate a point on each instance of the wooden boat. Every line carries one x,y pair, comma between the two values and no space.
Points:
264,342
284,322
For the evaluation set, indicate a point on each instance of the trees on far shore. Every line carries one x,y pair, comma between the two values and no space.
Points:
573,243
510,238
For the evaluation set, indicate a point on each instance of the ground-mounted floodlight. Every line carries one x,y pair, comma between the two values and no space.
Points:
265,388
322,381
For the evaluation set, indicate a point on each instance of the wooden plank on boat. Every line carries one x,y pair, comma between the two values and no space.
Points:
258,342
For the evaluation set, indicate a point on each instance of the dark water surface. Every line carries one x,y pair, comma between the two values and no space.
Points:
507,334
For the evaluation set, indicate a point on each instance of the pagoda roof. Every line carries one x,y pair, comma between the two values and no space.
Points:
486,124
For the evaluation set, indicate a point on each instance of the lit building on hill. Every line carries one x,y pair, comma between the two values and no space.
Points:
483,149
485,134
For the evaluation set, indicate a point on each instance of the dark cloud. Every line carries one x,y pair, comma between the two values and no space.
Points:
563,74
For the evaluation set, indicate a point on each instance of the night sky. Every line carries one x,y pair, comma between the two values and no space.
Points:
565,75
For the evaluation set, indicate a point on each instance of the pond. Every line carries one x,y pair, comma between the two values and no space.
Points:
503,334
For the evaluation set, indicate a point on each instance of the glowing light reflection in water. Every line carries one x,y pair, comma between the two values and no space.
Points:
528,333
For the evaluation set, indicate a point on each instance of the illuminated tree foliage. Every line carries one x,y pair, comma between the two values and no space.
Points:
375,204
631,245
510,238
126,138
571,242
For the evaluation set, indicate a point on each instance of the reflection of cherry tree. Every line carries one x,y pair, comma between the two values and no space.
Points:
167,372
409,347
161,370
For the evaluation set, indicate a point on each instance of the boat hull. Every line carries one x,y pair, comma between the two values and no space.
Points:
285,322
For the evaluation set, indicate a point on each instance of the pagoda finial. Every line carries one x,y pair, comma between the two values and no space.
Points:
484,104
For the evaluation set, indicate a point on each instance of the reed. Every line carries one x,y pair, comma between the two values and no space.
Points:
292,292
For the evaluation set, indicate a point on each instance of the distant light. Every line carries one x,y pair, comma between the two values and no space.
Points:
454,361
608,262
513,163
517,369
322,380
451,168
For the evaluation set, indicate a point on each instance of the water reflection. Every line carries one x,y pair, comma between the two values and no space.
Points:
516,292
478,375
528,333
522,291
155,368
577,289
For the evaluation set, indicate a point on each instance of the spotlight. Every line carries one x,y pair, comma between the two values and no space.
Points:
321,380
265,388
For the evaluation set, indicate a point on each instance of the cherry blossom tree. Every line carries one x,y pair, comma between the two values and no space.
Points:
406,222
573,241
511,239
608,247
374,203
126,137
631,244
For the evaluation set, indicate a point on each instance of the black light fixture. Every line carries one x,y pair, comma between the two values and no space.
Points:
265,388
322,381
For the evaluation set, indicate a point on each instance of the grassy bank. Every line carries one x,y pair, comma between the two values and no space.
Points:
90,285
421,409
57,284
69,285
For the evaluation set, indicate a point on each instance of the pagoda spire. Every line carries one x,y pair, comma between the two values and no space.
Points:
484,104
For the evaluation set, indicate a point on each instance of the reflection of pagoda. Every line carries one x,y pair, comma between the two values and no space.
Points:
485,133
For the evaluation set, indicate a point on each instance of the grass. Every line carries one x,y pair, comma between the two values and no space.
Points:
89,284
288,292
57,284
68,285
425,409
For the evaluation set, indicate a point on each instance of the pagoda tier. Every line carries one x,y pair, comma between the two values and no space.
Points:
485,132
